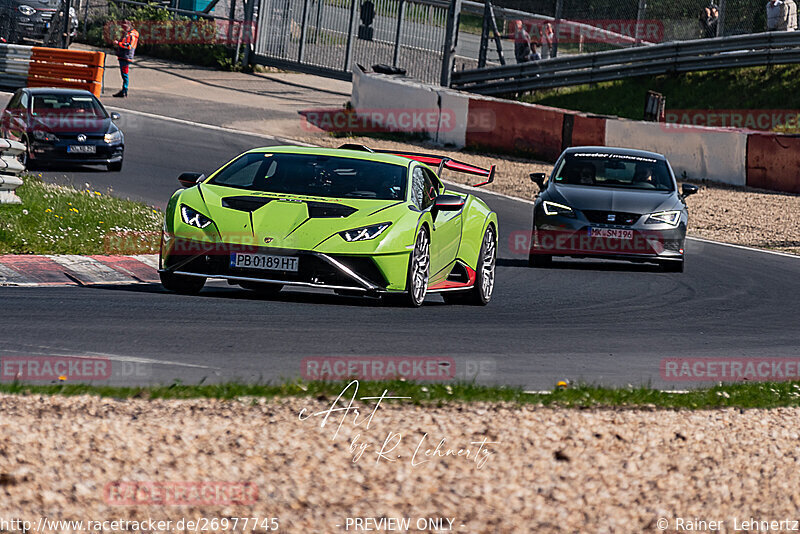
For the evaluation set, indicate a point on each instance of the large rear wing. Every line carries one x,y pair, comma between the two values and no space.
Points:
440,162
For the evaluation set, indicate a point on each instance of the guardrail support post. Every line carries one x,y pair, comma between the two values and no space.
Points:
401,14
721,19
450,38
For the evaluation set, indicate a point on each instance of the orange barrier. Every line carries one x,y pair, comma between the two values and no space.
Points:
773,162
54,67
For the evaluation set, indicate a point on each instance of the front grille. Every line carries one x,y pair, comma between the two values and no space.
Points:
312,268
620,218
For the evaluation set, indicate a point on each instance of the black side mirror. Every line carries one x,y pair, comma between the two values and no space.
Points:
447,203
538,178
188,179
115,116
689,189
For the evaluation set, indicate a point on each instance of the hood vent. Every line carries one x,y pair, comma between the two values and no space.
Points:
328,210
249,204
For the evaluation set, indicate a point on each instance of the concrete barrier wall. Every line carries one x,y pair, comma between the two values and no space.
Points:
725,155
394,93
695,152
519,128
773,162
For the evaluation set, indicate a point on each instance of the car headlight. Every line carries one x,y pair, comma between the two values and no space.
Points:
194,218
554,208
26,10
41,135
365,232
664,217
113,137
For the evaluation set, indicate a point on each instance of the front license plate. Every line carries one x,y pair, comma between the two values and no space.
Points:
611,233
81,149
266,262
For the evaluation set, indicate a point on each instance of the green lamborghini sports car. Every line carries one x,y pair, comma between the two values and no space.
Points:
358,221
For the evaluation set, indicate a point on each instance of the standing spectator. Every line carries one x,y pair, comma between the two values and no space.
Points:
776,15
522,43
548,36
709,19
791,15
126,48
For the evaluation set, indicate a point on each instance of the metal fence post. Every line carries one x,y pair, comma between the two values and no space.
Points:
249,7
67,20
303,29
348,54
640,14
449,52
401,14
484,35
559,10
721,19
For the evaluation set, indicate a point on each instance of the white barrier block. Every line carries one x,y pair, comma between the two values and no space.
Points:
8,186
701,153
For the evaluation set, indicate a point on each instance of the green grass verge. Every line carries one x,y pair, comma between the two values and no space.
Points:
751,395
747,88
55,219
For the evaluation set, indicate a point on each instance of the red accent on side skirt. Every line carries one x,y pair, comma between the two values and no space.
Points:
447,284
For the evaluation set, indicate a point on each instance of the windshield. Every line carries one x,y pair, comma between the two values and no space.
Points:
314,175
66,104
614,170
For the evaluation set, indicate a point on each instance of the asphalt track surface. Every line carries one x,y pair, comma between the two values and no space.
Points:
602,322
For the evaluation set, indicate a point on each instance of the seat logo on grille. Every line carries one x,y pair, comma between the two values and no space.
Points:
611,217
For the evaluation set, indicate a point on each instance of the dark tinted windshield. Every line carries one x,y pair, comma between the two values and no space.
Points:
66,104
325,176
614,170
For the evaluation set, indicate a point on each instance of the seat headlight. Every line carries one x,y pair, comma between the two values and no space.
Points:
671,218
26,10
113,137
194,218
365,232
554,208
41,135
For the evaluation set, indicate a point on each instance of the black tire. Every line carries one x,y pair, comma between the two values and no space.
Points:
672,266
262,288
418,273
540,260
481,292
115,166
185,285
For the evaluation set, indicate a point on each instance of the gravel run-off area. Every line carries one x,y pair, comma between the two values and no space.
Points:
742,216
548,470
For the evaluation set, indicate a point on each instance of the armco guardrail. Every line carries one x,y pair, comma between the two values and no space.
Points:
773,48
10,166
37,66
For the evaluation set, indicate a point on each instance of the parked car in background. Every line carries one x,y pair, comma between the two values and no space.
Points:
63,126
31,20
609,202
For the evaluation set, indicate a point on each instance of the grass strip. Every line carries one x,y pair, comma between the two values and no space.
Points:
56,219
741,395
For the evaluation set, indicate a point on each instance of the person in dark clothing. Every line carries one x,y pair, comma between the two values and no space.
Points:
126,48
709,19
522,43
